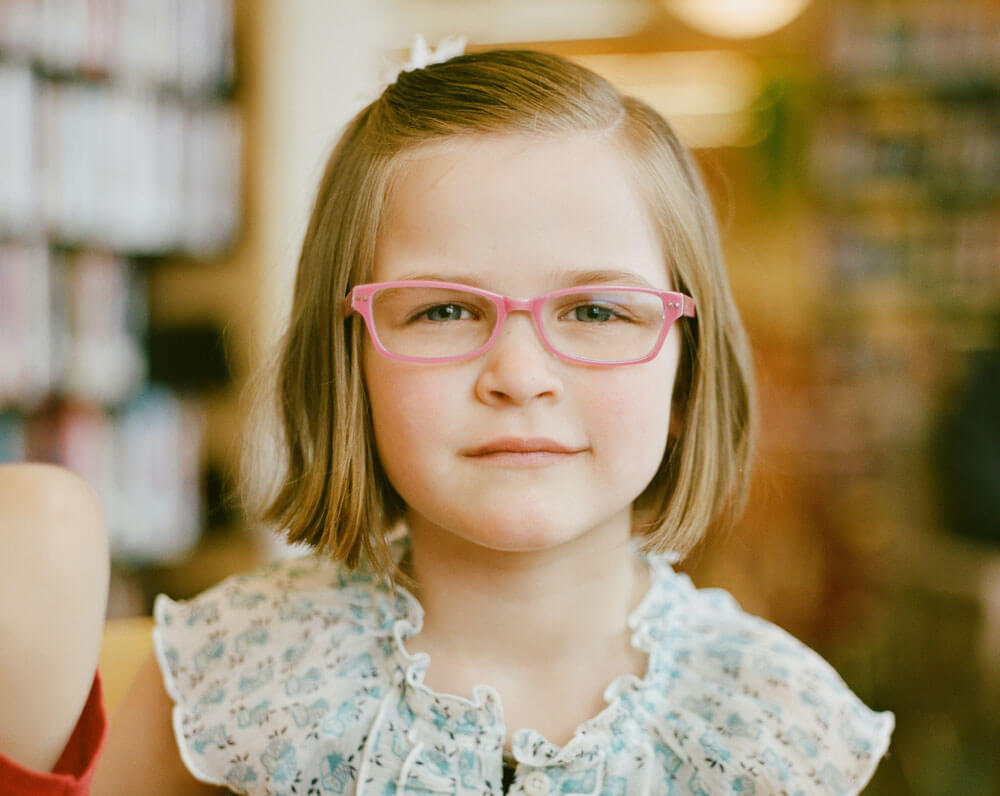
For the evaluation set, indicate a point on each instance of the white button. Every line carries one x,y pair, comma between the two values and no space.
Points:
411,735
536,784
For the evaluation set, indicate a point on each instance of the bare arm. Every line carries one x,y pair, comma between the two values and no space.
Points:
140,754
53,592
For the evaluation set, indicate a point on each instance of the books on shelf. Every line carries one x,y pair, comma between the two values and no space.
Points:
939,257
105,165
27,358
937,43
155,485
19,188
905,160
178,45
911,155
70,324
100,321
119,138
904,166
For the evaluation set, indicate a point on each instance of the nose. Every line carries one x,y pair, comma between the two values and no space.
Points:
518,368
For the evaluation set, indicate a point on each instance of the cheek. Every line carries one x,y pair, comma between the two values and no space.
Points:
388,418
408,407
632,419
630,415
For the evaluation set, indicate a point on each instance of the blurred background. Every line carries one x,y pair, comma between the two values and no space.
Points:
158,159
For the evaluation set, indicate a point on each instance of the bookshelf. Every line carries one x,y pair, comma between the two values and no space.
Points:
905,174
121,152
904,179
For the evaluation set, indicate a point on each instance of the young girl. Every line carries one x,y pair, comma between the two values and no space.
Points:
512,338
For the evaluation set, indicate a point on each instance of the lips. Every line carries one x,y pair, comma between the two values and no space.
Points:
524,446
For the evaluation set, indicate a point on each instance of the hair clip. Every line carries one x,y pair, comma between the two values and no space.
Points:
421,54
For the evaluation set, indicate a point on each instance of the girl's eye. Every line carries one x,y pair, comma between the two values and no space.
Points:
444,312
592,313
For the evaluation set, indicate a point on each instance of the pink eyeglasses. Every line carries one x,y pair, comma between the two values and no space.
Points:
426,321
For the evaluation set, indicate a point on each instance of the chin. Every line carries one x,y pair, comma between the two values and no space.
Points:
510,526
518,541
523,533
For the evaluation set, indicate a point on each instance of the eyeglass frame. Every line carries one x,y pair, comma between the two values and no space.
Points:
675,306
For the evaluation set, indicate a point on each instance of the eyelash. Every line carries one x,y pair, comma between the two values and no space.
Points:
422,314
615,312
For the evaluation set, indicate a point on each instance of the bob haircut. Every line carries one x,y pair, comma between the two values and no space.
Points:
330,491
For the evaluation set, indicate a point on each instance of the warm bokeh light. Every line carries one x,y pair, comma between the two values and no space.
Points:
737,19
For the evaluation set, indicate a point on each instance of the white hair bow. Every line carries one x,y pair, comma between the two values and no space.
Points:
422,55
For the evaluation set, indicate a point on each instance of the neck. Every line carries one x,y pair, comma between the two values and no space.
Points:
493,612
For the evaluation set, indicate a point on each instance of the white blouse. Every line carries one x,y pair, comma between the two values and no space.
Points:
295,679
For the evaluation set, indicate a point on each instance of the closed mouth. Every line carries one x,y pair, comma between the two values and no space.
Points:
522,446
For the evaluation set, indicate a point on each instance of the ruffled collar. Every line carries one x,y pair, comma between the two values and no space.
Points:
450,713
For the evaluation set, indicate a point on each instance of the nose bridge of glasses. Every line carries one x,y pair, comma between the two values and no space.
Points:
512,305
531,306
518,305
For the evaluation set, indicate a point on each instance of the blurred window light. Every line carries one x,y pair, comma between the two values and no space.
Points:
736,19
708,96
504,21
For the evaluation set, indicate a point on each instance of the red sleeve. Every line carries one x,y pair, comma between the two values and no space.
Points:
74,770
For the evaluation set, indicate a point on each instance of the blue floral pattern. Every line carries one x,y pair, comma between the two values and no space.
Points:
295,679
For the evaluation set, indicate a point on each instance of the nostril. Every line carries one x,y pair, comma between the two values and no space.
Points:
515,374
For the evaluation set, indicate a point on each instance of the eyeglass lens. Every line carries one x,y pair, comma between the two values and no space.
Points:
596,325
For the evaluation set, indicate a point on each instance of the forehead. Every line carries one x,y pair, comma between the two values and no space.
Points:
517,213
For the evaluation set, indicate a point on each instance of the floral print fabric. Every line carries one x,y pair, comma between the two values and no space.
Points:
295,679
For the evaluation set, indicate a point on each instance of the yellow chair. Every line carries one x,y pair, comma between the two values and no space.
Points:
125,645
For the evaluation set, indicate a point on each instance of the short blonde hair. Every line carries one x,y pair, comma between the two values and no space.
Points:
330,490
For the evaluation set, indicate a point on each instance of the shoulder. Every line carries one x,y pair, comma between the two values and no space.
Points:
294,588
34,479
37,496
746,696
257,663
53,527
282,609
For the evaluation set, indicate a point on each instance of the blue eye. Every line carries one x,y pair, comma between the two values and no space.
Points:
444,312
591,313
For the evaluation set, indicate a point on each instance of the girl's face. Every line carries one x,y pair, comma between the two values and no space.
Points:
520,216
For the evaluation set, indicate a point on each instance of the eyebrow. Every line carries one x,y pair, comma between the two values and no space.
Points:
471,281
607,278
570,279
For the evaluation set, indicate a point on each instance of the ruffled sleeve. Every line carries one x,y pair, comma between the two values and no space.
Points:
747,707
275,675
